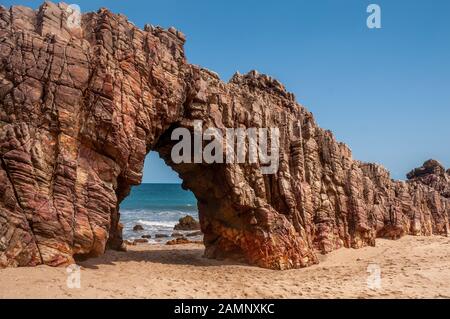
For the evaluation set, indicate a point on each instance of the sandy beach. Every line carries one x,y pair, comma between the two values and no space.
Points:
412,267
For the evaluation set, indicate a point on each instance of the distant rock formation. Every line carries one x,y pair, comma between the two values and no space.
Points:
80,107
187,223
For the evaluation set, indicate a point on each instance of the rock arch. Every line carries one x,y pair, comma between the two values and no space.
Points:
81,107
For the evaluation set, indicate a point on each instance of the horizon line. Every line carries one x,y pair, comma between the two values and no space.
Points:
158,183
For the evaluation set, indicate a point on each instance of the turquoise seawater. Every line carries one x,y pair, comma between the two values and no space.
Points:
157,208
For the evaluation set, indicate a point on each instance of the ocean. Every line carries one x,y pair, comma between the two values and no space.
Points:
157,208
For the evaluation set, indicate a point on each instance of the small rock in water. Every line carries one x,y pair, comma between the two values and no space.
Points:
138,228
177,234
161,236
196,233
187,223
146,236
183,241
140,241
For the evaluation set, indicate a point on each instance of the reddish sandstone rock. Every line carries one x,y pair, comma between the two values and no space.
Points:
433,174
80,107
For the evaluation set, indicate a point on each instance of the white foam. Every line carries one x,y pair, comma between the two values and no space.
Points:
157,223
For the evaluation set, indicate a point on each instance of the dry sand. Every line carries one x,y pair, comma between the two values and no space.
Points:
412,267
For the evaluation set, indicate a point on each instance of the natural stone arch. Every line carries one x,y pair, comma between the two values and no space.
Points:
81,107
236,221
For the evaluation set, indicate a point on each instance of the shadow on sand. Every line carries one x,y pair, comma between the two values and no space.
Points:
175,256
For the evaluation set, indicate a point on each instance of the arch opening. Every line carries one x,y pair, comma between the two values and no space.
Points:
153,208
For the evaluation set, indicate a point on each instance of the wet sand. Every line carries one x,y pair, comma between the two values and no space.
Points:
412,267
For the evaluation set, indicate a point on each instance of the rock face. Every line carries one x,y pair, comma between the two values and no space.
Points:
81,106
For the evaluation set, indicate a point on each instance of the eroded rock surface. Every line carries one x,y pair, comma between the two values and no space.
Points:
80,107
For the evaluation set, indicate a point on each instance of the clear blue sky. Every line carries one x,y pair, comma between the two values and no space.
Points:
386,93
